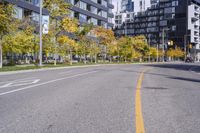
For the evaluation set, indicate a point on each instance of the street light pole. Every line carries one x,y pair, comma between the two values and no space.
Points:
157,53
125,27
185,45
40,52
149,48
163,41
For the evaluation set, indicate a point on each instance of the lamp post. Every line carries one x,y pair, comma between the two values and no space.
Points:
157,53
149,48
40,52
186,50
163,42
125,27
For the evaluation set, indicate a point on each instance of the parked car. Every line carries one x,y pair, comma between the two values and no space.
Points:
189,60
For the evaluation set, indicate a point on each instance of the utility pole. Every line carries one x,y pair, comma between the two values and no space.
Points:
157,54
185,45
40,52
125,27
163,42
1,56
149,48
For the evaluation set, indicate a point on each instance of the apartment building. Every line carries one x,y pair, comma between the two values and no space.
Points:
127,6
98,12
193,35
174,21
28,8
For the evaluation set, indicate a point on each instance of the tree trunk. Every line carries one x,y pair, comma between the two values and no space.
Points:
95,58
55,58
85,56
91,59
125,59
118,56
70,56
110,59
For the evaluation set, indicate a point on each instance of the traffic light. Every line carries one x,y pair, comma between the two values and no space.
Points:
171,43
190,46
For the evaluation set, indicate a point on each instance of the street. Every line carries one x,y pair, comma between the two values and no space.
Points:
161,98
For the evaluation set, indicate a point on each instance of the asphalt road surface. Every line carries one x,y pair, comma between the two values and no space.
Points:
157,98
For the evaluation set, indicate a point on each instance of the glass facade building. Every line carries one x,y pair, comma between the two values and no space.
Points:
27,8
127,6
98,12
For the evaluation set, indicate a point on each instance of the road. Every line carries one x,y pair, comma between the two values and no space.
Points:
151,98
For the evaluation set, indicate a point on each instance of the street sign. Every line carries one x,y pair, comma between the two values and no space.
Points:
45,24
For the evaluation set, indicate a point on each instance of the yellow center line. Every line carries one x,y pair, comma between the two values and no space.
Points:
138,105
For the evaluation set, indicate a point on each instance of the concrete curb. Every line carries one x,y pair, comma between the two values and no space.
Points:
44,69
68,67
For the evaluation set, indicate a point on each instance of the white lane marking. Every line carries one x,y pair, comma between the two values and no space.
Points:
20,83
18,80
61,73
51,81
6,85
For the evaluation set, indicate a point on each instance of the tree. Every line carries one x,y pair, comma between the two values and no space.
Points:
175,53
125,45
19,42
94,50
84,39
105,37
6,13
58,9
67,44
68,25
153,52
140,45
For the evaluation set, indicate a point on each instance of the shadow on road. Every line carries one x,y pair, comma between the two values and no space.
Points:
185,79
156,88
183,66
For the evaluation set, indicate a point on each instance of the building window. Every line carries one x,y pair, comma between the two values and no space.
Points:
71,1
104,3
82,5
94,21
93,10
104,14
35,16
82,18
18,12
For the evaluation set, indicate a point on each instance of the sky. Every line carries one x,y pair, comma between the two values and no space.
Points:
115,5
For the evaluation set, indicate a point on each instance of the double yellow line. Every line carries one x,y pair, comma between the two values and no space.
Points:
138,105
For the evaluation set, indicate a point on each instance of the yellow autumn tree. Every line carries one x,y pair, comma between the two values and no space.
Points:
67,44
105,37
